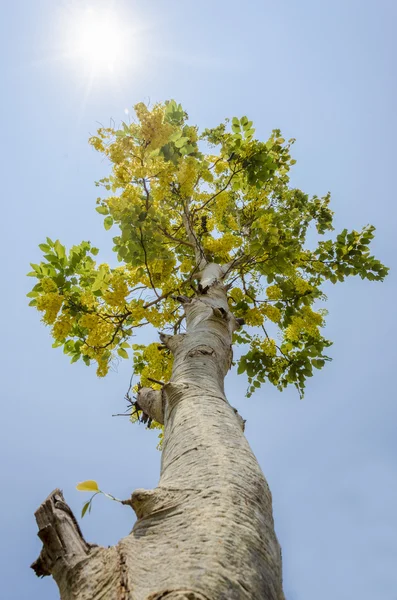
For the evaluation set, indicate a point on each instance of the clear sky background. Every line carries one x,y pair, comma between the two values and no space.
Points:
323,72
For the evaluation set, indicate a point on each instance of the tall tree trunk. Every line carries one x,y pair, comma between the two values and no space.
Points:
206,532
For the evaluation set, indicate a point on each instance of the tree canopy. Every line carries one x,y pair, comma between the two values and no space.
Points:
180,199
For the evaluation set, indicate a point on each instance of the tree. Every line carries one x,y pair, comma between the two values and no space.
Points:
216,249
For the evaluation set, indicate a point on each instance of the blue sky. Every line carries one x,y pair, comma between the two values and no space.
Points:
322,72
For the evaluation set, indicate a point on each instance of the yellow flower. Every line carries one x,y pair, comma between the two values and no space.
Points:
50,304
253,317
186,265
308,321
268,347
158,365
237,294
62,327
272,313
117,291
302,286
273,292
221,166
97,143
153,128
48,285
187,176
221,246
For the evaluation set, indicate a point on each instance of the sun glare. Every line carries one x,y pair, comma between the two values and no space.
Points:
97,39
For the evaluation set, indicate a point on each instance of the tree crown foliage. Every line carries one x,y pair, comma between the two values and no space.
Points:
179,198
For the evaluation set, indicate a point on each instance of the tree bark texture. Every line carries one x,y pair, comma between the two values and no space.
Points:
206,532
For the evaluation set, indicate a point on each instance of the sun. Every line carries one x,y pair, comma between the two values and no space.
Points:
97,39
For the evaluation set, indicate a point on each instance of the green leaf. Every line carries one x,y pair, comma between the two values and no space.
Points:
37,268
318,363
85,508
102,210
60,250
123,353
181,142
249,133
44,247
189,149
176,135
108,222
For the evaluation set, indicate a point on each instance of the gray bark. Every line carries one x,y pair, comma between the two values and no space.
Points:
206,532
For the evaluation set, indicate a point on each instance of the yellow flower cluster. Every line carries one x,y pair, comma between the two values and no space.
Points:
222,246
115,153
138,312
186,265
272,313
309,322
123,173
187,176
160,272
155,317
222,204
153,128
97,143
232,223
99,332
302,286
88,299
103,366
62,327
49,303
206,175
264,222
312,317
48,285
221,166
268,347
317,266
191,133
158,365
117,291
253,317
273,292
237,294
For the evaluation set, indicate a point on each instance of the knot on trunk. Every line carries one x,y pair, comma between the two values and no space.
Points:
151,402
155,502
178,595
201,350
240,419
171,341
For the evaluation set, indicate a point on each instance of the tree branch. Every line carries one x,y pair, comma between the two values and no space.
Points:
63,542
146,264
219,191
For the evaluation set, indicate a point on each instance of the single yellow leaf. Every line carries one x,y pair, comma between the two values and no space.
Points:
88,486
